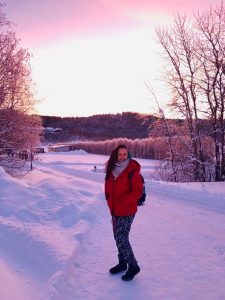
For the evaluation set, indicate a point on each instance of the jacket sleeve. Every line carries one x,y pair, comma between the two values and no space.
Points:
136,192
106,190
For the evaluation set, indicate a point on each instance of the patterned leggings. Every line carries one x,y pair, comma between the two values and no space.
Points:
121,229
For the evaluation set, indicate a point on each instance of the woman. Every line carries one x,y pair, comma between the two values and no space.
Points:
122,196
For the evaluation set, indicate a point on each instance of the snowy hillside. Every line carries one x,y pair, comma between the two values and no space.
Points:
56,240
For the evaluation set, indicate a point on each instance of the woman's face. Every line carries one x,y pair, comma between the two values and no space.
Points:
122,154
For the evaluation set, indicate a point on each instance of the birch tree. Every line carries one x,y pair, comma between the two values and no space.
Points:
195,68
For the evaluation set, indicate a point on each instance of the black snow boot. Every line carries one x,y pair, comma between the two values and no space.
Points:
122,266
133,269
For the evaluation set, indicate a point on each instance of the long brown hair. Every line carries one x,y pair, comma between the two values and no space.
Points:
111,163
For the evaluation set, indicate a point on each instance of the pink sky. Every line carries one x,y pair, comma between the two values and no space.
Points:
43,21
93,56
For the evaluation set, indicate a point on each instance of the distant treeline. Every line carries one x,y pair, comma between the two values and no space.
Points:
152,148
108,126
99,127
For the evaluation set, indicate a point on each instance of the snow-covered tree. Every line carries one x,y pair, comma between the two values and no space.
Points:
194,52
19,127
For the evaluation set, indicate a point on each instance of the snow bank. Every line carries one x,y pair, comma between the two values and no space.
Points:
79,152
43,220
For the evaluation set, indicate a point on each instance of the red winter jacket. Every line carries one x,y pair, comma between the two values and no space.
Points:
121,200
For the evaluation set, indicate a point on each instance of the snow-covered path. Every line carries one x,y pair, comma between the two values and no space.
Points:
17,285
181,257
56,238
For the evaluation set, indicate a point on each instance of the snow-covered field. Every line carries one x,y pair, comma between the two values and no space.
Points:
56,240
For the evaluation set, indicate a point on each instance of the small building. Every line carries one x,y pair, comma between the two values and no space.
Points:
56,148
39,150
52,130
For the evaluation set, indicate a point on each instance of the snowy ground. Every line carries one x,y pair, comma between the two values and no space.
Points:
56,240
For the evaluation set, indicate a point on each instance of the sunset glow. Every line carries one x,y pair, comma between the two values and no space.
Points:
94,57
96,75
